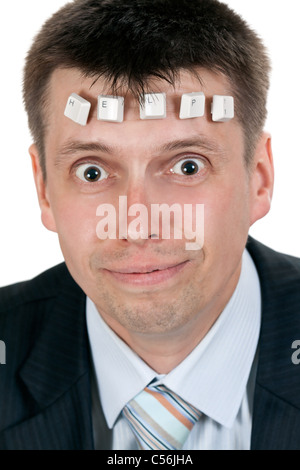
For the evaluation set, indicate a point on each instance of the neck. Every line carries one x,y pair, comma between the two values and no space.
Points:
165,350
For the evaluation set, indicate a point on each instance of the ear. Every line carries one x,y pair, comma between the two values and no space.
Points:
262,179
41,187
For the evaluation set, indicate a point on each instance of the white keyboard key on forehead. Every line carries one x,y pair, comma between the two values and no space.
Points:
192,105
153,106
110,108
77,109
222,108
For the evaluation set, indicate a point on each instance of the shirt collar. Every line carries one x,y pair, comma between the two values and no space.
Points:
213,377
120,373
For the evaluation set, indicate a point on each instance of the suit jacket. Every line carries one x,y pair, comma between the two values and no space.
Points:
45,386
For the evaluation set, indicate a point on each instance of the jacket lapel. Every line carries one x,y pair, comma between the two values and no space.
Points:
57,376
276,413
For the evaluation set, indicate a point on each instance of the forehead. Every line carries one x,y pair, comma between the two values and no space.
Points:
64,82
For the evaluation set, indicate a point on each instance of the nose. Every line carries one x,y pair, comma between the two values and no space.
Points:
135,213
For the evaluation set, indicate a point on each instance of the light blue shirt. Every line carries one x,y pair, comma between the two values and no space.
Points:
217,377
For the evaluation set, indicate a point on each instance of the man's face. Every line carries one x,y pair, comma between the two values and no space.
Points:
149,285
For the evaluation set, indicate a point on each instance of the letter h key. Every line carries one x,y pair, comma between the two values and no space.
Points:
77,109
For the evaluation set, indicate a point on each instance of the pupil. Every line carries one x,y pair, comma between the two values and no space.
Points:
189,168
92,174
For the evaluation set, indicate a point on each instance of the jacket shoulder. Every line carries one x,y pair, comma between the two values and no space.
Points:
42,287
273,262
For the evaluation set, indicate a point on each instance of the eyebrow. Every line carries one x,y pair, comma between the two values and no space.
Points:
75,147
198,141
69,148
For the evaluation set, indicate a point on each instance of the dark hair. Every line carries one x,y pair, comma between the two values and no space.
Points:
127,42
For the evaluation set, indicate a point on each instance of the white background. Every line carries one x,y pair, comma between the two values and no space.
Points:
27,248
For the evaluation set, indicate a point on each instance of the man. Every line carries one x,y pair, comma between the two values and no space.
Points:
141,340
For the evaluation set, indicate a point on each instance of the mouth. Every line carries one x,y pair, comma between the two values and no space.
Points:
147,275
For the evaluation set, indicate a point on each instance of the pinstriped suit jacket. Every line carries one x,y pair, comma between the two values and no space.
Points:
45,392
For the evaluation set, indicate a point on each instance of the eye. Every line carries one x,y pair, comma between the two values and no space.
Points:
188,167
91,173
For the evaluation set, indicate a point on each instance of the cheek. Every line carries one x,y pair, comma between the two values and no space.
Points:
226,214
76,223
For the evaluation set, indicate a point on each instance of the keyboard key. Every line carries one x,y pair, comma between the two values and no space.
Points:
110,108
153,106
77,109
192,105
222,108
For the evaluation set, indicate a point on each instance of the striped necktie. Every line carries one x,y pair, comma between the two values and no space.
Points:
160,419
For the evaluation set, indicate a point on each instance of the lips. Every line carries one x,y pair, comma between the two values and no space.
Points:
145,269
146,275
